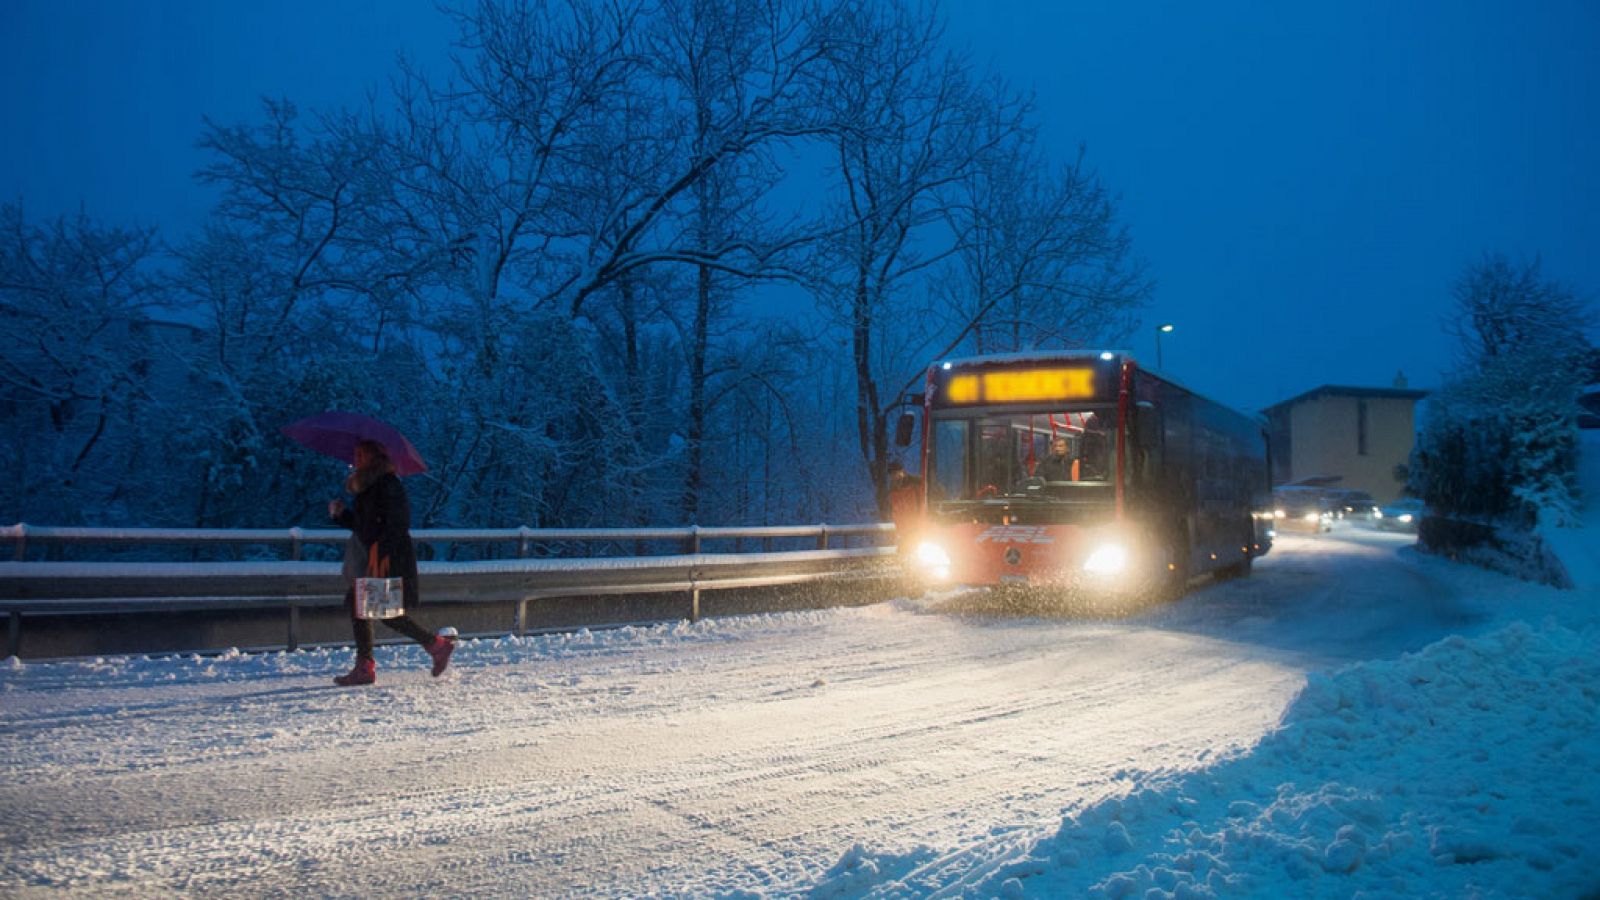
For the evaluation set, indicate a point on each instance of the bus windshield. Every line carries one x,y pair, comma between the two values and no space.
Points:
1041,456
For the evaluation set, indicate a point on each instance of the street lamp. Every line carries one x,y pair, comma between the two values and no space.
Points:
1160,330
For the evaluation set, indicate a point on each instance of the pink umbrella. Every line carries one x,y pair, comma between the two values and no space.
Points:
335,434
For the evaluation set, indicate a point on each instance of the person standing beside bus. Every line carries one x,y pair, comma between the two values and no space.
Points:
905,501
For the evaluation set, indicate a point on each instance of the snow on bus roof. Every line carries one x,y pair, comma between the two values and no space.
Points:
1026,356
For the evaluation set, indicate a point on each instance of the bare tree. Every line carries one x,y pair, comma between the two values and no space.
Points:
1042,260
736,75
912,124
731,79
1503,309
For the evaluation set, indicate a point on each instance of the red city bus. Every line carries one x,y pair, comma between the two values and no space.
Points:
1087,472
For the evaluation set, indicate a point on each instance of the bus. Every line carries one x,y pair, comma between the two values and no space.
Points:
1087,473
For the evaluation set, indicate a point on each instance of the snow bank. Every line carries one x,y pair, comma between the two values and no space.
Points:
1470,768
1577,548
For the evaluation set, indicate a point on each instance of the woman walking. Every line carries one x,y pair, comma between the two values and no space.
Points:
380,519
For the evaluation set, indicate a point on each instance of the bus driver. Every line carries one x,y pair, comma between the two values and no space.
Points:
1059,465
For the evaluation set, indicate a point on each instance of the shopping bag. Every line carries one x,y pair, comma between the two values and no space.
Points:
378,597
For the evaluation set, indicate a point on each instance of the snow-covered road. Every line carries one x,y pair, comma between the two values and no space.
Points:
727,757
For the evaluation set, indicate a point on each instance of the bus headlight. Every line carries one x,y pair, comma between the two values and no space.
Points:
933,560
1313,517
1107,559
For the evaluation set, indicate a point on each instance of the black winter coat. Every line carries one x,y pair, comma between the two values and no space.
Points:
380,516
1055,468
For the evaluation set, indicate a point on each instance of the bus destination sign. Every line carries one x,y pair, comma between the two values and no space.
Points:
1020,386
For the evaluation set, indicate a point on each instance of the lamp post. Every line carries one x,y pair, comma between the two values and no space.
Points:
1160,330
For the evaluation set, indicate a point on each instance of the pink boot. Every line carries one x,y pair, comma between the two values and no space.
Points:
364,672
440,650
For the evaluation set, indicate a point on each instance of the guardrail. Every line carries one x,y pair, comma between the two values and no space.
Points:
52,588
691,538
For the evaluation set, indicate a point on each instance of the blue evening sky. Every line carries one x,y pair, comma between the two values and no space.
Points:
1304,180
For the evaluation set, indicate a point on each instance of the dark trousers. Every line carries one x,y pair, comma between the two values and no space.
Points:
363,627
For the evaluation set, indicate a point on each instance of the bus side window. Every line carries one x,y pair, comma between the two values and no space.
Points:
1147,443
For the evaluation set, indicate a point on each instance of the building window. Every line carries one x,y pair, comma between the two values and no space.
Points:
1361,427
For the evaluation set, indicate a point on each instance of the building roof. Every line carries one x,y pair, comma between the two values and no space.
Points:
1338,390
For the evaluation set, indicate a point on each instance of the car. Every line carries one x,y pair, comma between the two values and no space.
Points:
1356,506
1302,509
1401,515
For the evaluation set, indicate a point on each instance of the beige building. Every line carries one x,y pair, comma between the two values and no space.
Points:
1362,436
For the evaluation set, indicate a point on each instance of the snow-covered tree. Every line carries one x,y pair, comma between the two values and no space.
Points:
76,355
1499,442
584,158
546,267
301,313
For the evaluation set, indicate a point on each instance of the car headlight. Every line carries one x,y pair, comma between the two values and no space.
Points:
1405,517
1107,559
1279,514
1312,517
933,560
1377,514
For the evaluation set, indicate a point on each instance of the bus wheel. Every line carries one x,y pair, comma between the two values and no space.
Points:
1240,569
1174,582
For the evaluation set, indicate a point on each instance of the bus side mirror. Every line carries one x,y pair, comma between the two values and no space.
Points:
904,427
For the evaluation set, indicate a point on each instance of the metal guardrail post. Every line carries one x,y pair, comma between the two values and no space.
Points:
694,604
524,541
22,542
295,536
694,538
519,625
822,537
294,627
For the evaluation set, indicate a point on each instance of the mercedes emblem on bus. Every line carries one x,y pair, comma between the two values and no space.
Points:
1013,556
